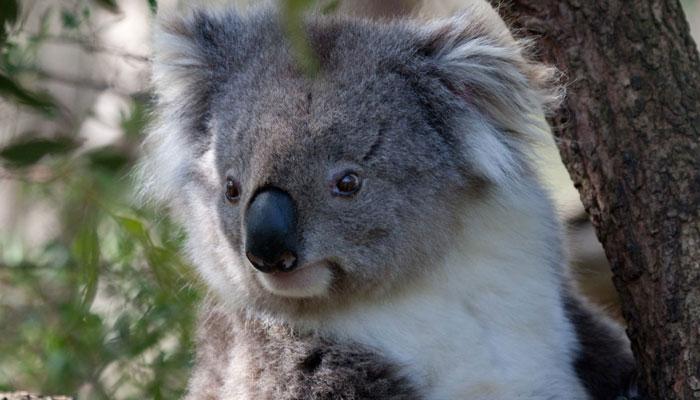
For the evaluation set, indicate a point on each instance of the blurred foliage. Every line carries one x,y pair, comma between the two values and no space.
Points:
105,308
293,11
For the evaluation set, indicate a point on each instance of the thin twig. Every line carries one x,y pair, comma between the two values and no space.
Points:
93,47
98,86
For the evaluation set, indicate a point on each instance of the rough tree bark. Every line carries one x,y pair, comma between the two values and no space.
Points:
629,136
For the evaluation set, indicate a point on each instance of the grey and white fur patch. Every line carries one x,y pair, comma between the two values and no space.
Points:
284,365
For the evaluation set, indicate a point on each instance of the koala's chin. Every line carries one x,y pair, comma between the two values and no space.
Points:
309,281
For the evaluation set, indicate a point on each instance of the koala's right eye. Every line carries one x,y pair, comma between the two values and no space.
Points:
233,190
347,185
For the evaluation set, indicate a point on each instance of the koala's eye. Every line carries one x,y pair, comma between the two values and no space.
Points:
347,185
233,190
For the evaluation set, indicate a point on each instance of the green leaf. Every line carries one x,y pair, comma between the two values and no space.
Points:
153,5
109,159
9,12
135,228
160,262
86,250
134,124
110,5
330,6
69,20
39,101
293,19
28,151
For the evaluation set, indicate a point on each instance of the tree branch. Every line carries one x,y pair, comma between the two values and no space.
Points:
28,396
83,83
93,47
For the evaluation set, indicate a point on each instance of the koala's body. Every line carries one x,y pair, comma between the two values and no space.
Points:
375,230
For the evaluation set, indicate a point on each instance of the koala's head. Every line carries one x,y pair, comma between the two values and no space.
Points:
300,191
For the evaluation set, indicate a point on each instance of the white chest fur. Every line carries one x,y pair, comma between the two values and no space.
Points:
475,338
488,324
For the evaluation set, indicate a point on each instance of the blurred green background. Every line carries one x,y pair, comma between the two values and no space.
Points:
95,299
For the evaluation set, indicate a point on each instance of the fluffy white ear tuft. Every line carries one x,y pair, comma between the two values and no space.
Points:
188,54
181,53
485,66
482,65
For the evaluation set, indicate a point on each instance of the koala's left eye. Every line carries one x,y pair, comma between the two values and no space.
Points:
233,190
347,185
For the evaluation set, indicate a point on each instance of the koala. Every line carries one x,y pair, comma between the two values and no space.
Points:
374,229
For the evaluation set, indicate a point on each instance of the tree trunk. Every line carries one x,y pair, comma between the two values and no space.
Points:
628,134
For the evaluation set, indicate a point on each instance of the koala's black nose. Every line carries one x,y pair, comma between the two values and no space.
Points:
270,229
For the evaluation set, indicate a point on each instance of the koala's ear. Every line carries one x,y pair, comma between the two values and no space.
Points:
479,61
481,68
191,54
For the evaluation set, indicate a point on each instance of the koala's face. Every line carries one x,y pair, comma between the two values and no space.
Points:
312,190
335,184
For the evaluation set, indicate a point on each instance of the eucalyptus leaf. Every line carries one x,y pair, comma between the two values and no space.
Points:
86,250
29,151
110,5
9,12
153,5
69,19
135,122
330,6
108,159
14,91
293,20
136,229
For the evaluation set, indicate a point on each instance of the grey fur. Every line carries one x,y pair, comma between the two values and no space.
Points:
285,365
436,119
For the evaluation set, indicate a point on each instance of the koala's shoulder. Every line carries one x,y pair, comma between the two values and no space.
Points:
247,359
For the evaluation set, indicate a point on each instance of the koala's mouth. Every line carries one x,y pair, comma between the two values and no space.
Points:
311,280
